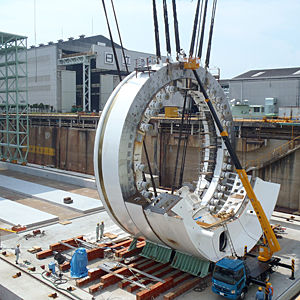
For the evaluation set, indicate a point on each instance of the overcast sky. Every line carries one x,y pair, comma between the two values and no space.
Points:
249,34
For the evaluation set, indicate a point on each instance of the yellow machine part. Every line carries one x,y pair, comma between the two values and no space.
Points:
171,111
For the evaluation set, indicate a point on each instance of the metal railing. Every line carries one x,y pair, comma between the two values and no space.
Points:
275,154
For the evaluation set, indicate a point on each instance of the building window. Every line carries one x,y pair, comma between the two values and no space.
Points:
109,58
128,60
142,62
256,109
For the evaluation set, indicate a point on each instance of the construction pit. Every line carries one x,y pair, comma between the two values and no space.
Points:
133,276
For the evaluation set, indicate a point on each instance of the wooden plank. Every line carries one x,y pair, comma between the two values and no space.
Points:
122,244
150,267
156,289
125,253
162,272
185,287
44,254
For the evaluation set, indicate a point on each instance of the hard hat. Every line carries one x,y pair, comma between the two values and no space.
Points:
260,288
269,284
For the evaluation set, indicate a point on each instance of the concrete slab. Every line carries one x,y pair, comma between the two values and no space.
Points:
80,179
86,225
14,213
80,203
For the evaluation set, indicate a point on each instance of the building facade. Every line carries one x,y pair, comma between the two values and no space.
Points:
257,86
77,74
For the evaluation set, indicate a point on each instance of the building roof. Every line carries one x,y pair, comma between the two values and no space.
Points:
91,40
270,73
81,44
7,37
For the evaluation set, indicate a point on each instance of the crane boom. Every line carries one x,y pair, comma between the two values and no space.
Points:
266,251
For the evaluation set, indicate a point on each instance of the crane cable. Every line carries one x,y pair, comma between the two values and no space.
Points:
157,44
121,43
112,42
167,31
192,46
213,14
179,142
199,25
186,139
176,31
202,30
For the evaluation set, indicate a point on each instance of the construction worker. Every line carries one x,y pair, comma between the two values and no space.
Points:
17,253
260,295
101,230
269,291
97,232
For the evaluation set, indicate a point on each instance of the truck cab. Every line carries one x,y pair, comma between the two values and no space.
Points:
229,278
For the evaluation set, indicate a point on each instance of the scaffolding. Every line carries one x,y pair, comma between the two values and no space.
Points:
85,60
14,129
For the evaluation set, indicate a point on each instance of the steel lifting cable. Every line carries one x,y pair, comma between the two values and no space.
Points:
121,43
167,31
179,142
202,29
157,44
185,143
199,25
176,31
211,30
194,29
150,170
112,42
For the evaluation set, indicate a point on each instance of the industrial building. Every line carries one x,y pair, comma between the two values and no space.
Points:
76,73
278,90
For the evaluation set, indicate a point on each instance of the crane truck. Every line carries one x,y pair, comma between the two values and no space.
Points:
232,276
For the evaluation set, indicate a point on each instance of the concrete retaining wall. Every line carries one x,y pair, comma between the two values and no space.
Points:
72,149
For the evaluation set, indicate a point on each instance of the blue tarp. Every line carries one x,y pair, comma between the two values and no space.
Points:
78,263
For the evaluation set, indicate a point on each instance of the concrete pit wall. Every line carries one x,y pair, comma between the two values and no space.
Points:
72,149
64,148
285,171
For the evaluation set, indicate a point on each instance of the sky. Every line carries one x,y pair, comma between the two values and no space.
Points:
248,34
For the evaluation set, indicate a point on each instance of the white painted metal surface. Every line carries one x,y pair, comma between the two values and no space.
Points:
80,203
201,222
15,213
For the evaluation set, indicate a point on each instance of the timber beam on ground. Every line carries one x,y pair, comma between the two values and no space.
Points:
132,272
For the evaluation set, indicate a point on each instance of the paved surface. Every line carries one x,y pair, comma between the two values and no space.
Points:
80,203
14,213
86,225
31,288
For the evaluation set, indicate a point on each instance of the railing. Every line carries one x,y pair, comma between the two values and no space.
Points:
277,153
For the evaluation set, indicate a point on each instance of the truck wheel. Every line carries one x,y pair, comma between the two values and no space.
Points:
243,294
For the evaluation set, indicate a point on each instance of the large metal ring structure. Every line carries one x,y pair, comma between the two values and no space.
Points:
214,220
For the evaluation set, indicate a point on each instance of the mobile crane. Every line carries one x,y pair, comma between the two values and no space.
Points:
232,276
